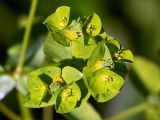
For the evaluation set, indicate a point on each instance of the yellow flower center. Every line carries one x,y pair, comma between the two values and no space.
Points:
58,80
72,35
99,64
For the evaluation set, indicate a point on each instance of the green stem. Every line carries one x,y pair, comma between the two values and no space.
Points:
26,36
6,111
129,112
26,114
48,113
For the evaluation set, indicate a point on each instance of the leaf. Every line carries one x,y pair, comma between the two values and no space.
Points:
71,74
7,83
126,56
145,75
21,84
84,112
93,25
56,51
67,98
59,19
104,84
39,82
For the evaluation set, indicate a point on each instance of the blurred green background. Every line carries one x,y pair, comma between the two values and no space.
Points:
135,23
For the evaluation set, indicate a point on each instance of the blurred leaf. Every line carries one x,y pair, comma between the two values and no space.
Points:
70,74
21,84
145,75
56,51
39,82
84,112
7,83
59,19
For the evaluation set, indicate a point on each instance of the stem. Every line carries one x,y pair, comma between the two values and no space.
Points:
8,112
26,114
130,112
26,36
48,113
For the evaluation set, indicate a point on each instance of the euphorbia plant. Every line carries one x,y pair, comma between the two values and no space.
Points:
87,61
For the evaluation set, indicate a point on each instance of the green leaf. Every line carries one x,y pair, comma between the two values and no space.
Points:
67,98
145,75
84,112
39,82
7,83
93,25
59,19
21,84
104,84
56,51
70,74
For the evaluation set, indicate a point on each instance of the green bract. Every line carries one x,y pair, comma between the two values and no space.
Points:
86,62
104,84
59,19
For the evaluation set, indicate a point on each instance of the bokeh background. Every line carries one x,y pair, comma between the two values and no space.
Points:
135,23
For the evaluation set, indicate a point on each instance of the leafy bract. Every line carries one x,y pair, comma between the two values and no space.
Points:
59,19
55,51
93,25
68,98
70,74
39,82
104,84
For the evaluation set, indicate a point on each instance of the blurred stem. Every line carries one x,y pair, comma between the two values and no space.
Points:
48,113
26,36
26,114
129,112
6,111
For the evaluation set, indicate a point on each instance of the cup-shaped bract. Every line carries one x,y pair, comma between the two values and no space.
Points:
39,82
93,25
104,84
59,19
67,98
